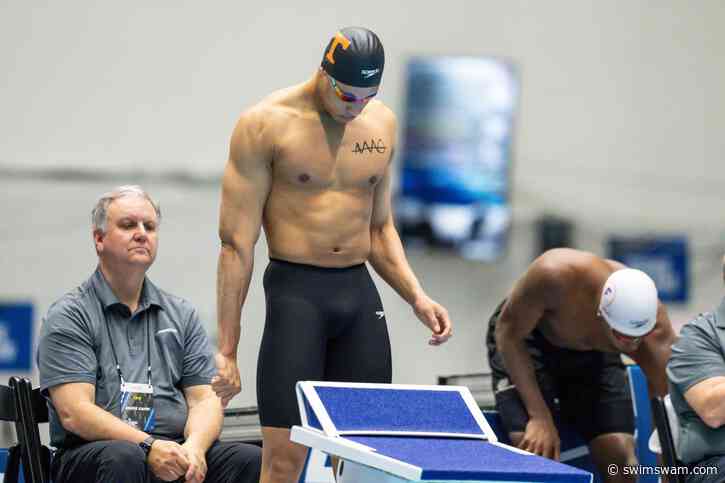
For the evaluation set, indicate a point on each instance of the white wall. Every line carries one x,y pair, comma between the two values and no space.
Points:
619,129
612,90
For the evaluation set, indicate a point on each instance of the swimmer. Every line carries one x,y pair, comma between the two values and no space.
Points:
312,165
554,348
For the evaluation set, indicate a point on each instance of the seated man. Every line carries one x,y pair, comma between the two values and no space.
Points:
127,368
555,345
696,373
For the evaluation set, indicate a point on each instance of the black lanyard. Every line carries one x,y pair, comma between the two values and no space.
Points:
148,348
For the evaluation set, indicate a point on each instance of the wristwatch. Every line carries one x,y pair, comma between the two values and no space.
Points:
146,445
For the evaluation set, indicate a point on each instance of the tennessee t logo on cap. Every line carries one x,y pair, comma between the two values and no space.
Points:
359,61
340,40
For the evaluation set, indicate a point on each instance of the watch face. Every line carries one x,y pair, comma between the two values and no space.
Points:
146,444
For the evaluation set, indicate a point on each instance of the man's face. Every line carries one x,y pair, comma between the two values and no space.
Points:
625,343
345,102
131,237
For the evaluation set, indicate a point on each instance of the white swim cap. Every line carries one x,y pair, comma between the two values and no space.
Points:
629,302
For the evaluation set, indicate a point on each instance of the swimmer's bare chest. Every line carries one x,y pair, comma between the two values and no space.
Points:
575,327
322,194
314,160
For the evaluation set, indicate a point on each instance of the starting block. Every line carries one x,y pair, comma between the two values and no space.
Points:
387,433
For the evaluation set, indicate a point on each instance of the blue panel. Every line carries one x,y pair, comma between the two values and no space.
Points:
466,459
16,337
643,421
4,463
312,420
368,409
665,259
570,439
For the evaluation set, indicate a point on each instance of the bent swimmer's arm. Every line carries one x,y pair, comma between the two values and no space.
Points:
386,251
387,256
245,186
519,317
654,352
388,259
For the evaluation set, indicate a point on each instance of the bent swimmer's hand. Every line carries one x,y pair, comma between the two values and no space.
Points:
435,317
226,383
542,438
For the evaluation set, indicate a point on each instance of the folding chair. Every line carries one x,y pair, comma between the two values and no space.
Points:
33,411
668,432
9,412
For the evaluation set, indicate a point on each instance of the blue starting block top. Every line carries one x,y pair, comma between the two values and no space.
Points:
343,409
467,459
416,433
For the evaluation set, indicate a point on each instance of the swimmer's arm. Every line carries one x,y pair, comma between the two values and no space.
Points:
526,305
654,352
387,256
245,186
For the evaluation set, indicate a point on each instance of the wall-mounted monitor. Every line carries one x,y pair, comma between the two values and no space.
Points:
456,158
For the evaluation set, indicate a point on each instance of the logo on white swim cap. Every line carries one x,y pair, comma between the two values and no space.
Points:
629,302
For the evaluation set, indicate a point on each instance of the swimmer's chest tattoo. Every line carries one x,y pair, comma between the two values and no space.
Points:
369,147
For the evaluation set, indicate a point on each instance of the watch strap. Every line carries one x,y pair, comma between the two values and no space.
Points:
146,444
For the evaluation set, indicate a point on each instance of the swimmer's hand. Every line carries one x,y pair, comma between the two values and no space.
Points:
435,317
226,383
542,438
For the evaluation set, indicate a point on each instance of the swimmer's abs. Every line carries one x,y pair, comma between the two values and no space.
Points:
328,253
325,238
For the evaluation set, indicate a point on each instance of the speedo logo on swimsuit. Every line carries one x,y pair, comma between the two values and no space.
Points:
368,73
380,314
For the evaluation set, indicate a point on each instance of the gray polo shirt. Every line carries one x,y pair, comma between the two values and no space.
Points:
697,355
75,347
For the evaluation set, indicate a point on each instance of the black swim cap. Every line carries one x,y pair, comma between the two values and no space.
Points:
355,56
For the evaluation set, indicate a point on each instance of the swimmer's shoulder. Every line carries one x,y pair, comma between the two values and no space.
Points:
277,107
379,112
573,270
563,266
263,122
558,260
568,259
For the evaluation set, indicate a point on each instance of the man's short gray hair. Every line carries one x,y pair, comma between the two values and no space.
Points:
99,215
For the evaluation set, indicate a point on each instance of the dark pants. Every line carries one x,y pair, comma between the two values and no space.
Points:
124,462
712,470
